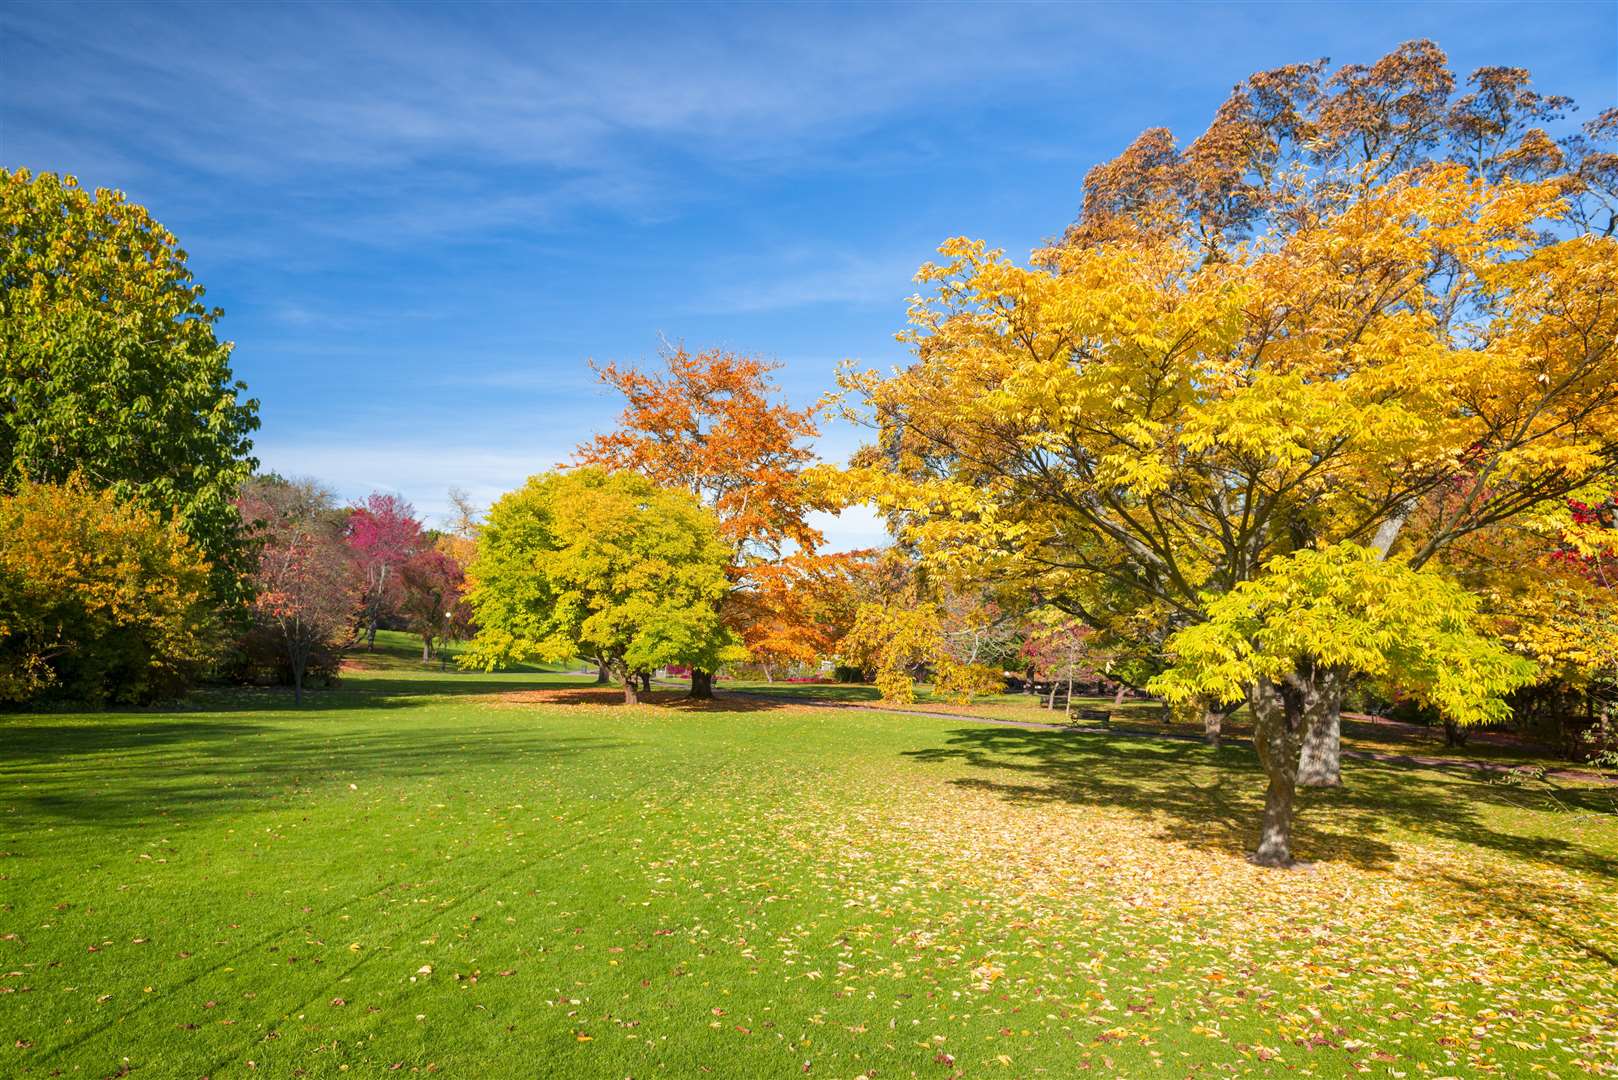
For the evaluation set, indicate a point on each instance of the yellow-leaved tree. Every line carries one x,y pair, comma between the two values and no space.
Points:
593,563
1365,315
100,600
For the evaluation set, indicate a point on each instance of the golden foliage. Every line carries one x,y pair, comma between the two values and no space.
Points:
1359,312
99,599
894,642
709,426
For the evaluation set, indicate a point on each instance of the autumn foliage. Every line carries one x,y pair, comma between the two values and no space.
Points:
306,594
591,563
710,423
111,367
384,536
1365,316
100,600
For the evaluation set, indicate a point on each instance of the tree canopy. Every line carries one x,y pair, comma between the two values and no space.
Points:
592,563
109,363
712,423
305,590
1360,310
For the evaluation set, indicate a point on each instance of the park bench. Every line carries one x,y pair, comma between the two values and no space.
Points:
1101,716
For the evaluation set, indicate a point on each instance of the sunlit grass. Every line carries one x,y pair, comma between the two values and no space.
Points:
511,875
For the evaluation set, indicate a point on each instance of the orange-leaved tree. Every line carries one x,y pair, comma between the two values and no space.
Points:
712,423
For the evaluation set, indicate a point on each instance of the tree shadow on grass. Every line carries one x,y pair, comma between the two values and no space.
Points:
1485,898
367,692
1213,799
133,765
539,689
134,770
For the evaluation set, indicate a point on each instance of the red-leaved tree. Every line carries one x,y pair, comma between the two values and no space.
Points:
432,584
304,587
383,534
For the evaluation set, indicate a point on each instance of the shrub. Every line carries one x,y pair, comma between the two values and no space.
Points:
100,600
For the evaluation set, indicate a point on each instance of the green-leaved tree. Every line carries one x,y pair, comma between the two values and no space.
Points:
592,563
109,365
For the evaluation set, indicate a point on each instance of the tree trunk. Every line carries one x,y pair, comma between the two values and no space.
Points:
1275,837
1320,760
646,682
1296,724
1213,725
702,685
370,634
299,662
1277,736
426,649
601,672
629,679
1118,698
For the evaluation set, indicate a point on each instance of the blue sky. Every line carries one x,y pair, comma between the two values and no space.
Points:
422,221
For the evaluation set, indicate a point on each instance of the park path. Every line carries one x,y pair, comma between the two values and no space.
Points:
1413,760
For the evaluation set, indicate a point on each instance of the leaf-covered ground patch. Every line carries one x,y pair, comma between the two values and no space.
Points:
512,876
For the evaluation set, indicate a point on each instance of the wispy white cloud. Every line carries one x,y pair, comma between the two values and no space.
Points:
421,472
580,113
424,474
772,281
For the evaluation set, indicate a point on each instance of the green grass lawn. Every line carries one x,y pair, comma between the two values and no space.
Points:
397,651
512,875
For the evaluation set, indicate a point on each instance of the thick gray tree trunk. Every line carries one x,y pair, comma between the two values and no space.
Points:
1295,721
1320,760
1213,725
601,672
1275,836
